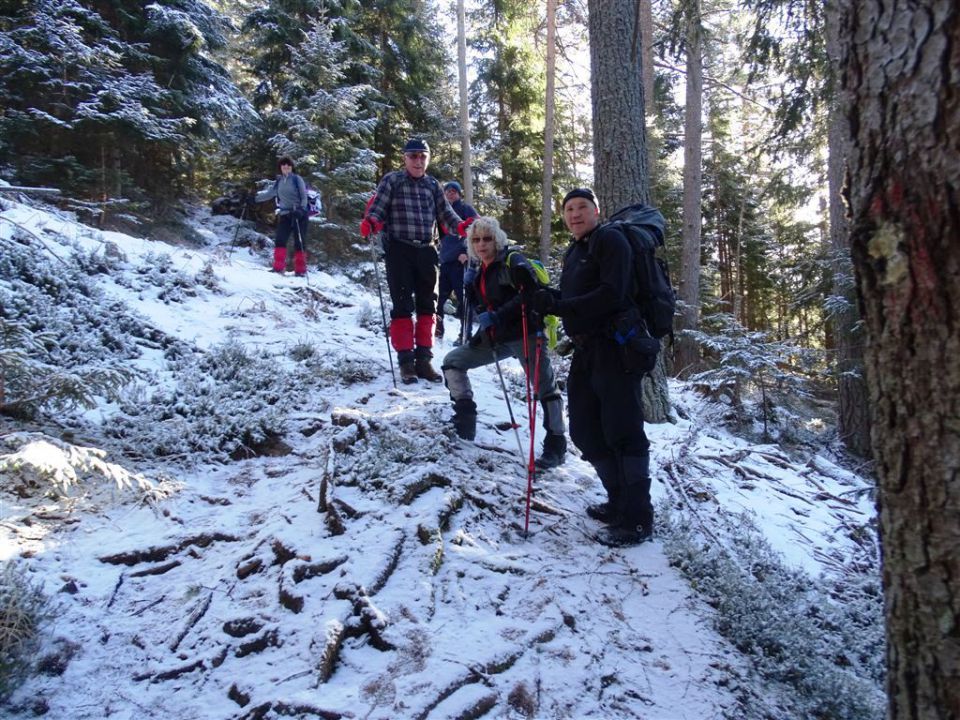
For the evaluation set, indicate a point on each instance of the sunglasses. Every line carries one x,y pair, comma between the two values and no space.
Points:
417,156
484,239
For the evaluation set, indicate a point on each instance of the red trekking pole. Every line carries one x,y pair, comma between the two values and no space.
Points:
531,411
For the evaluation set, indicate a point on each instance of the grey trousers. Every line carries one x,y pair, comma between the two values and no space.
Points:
458,361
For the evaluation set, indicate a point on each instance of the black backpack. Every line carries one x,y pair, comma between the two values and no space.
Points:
644,228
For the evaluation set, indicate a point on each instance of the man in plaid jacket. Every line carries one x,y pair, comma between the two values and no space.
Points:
406,209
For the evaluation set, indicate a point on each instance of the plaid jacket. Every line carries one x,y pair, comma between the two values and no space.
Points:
410,207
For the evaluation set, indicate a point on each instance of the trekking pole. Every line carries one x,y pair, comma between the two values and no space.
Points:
531,412
506,396
303,249
383,312
236,232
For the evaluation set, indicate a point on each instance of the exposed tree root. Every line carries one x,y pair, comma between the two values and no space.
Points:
156,569
421,485
199,610
171,673
159,554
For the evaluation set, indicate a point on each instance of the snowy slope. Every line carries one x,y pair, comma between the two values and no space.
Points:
379,570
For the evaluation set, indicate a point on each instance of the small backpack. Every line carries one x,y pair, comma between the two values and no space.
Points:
551,323
644,226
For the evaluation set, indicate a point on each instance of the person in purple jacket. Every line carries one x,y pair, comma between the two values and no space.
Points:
406,209
453,255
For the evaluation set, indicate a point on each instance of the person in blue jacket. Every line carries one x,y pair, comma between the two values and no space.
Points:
453,255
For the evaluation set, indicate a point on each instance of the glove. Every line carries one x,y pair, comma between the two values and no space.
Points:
250,199
544,302
487,320
462,227
369,226
469,275
300,214
522,277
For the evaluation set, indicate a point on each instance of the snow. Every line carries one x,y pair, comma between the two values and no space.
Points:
247,601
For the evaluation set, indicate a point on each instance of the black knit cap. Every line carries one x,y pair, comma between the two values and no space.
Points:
580,193
416,145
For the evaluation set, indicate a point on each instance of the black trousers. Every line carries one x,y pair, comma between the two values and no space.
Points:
604,403
287,226
412,278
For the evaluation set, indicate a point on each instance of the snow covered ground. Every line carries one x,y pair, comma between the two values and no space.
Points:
379,568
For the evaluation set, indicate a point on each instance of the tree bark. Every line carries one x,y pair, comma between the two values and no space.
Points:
853,422
899,73
619,135
686,353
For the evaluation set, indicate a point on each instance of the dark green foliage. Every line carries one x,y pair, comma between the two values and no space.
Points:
111,100
58,350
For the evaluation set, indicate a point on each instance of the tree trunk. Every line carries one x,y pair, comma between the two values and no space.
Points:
619,136
649,78
548,133
853,424
899,76
686,353
464,107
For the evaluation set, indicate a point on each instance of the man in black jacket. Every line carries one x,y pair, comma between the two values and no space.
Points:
604,399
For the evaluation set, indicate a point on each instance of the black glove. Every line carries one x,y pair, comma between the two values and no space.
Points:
300,214
545,302
250,199
522,278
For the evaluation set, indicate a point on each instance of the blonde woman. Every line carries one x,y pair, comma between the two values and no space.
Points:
497,291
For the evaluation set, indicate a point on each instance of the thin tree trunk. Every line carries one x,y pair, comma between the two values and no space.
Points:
646,53
898,66
854,416
464,108
548,133
686,353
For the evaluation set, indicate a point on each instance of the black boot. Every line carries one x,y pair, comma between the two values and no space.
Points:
554,452
438,328
465,419
636,524
608,470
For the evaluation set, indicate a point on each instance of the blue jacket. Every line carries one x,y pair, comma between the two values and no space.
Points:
452,245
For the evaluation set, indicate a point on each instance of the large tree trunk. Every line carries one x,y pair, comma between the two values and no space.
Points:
464,107
619,136
687,355
900,77
548,133
854,417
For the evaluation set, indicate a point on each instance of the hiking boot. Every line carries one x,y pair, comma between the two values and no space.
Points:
465,419
605,512
438,329
424,369
624,535
408,373
554,452
303,274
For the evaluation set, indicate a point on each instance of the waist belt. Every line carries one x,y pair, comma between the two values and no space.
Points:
414,243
